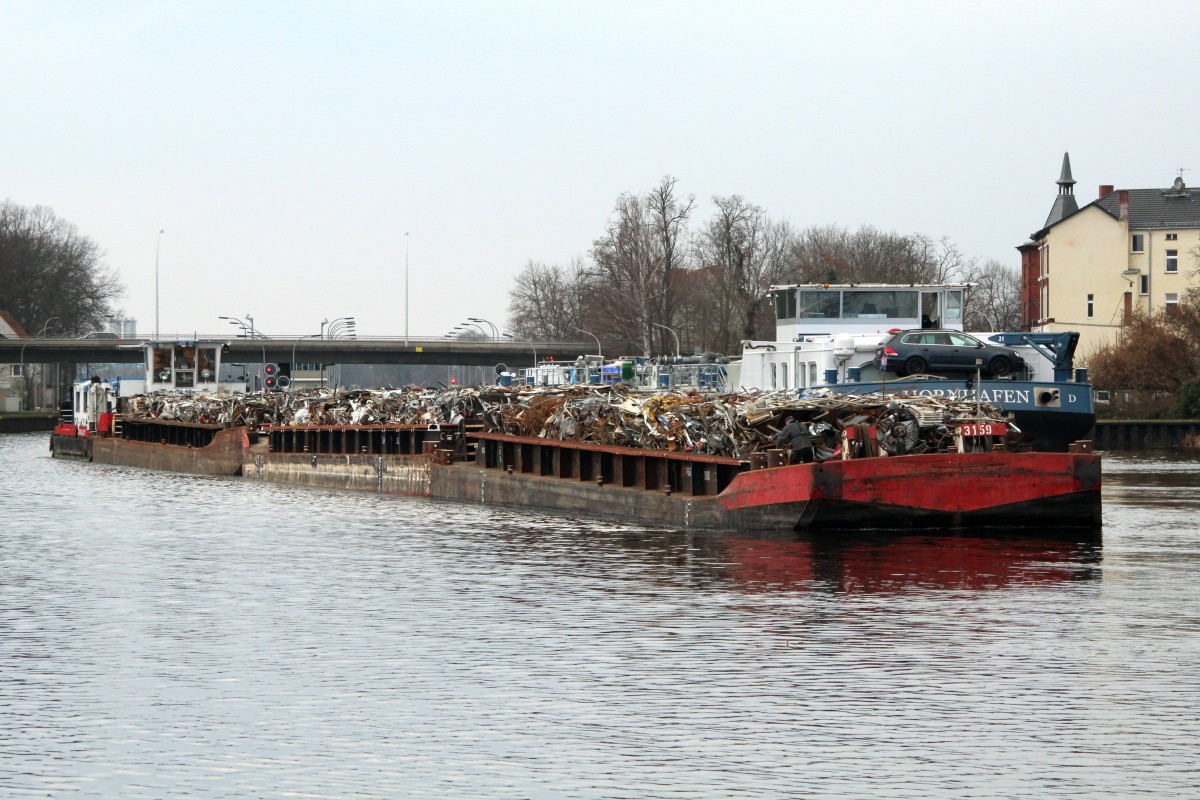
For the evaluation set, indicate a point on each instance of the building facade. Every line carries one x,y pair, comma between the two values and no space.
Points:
12,382
1089,268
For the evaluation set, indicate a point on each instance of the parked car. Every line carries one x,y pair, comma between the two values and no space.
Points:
918,351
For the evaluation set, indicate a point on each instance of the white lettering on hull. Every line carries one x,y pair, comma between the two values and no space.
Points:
1000,396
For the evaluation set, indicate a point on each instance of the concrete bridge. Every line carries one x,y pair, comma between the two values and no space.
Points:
307,349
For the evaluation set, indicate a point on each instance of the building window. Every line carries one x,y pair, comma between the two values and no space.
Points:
15,370
774,378
1172,261
1145,284
783,374
1172,303
1137,243
1171,237
1091,306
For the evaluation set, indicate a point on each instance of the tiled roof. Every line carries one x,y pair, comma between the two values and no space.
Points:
1156,208
1148,209
10,328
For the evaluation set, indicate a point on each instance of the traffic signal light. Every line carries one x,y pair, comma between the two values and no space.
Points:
271,377
284,378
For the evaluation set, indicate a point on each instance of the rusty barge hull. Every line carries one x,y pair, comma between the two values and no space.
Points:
932,491
196,450
942,491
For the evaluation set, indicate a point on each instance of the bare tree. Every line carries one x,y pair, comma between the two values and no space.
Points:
547,300
668,218
737,255
831,254
48,269
633,261
994,301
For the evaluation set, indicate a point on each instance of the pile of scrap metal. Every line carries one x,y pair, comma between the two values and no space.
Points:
407,406
734,425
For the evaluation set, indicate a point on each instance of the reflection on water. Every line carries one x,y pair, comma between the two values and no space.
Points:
882,564
174,636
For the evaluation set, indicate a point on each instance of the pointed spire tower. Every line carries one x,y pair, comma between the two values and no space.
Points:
1064,204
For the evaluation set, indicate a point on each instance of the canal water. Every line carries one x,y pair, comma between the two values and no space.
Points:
170,636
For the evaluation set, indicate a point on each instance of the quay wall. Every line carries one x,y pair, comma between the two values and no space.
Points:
1132,434
27,421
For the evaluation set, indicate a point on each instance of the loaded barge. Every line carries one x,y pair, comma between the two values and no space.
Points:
896,470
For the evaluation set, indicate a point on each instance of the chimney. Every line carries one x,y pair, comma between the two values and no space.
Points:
1123,199
1105,189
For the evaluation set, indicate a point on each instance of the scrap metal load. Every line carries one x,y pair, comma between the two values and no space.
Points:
342,407
736,425
733,425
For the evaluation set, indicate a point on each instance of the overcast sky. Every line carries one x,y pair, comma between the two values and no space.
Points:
285,148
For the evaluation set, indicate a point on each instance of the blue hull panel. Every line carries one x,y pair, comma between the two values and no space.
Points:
1052,415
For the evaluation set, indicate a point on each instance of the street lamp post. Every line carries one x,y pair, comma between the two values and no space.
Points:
298,341
495,330
599,350
406,288
157,249
342,326
526,341
250,333
473,324
664,327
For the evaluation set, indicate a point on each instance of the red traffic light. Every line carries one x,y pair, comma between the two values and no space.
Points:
271,369
270,382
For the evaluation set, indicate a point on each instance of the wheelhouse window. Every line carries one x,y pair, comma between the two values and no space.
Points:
1172,261
185,366
826,305
879,304
206,364
1091,305
161,363
954,305
785,305
1137,243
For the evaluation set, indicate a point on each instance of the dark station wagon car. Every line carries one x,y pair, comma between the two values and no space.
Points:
920,351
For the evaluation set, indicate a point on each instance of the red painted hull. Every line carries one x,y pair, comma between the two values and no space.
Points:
944,490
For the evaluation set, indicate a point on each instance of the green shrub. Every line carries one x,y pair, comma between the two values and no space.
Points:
1187,400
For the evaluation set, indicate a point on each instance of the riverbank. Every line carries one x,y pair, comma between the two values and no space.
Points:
1139,434
24,421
